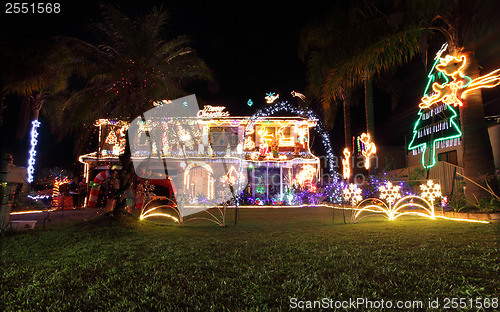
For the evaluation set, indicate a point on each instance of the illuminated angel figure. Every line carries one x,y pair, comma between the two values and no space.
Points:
346,165
369,149
453,92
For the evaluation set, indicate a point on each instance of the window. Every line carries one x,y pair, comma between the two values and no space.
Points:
449,157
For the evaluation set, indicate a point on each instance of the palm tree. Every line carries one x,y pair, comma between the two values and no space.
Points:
352,46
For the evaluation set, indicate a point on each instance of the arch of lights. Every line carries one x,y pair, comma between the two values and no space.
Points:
285,106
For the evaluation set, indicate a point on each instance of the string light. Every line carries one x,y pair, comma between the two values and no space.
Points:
346,165
315,121
34,141
447,92
271,97
210,184
427,133
299,95
352,194
392,205
209,111
430,190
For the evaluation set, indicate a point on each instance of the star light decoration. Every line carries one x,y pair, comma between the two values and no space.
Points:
321,130
389,192
430,191
34,141
352,194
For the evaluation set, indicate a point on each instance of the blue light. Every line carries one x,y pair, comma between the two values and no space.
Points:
250,102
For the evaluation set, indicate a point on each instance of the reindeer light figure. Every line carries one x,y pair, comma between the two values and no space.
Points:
453,92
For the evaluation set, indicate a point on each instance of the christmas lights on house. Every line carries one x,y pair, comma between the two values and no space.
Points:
436,126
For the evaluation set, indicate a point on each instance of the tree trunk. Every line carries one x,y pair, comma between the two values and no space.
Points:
347,119
370,115
477,151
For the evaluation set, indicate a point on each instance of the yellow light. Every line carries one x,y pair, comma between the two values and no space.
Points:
299,95
487,81
249,144
210,186
389,192
271,97
212,112
346,165
393,209
430,190
282,140
305,176
368,150
302,135
451,93
31,211
57,183
231,176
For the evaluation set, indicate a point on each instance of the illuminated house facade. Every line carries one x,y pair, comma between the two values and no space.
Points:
270,154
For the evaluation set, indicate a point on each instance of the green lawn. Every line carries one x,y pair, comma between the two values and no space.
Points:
269,257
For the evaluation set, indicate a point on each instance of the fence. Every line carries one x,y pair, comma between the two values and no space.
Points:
447,174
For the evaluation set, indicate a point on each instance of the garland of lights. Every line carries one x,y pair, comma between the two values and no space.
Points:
31,161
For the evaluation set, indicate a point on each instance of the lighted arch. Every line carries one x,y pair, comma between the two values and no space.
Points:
320,128
210,186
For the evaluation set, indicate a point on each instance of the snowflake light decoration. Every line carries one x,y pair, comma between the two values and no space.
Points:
352,194
389,192
430,190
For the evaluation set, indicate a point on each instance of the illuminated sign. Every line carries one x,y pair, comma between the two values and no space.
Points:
212,112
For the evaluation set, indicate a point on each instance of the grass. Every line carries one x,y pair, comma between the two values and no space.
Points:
259,264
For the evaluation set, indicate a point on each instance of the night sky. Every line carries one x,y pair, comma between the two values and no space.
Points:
250,46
